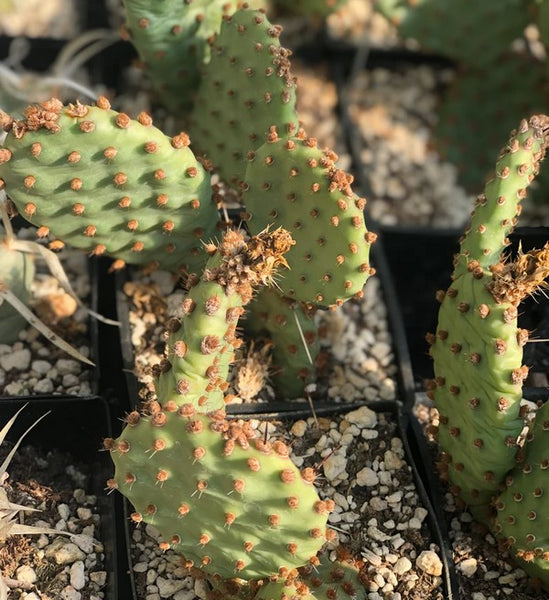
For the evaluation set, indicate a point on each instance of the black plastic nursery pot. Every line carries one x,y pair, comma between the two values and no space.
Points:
75,427
419,264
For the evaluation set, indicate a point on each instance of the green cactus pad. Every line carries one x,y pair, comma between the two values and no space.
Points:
16,274
476,33
473,119
246,89
98,180
318,8
293,184
172,38
337,580
477,349
521,519
201,343
295,347
233,505
321,580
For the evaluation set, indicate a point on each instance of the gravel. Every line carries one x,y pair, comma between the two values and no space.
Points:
32,365
49,566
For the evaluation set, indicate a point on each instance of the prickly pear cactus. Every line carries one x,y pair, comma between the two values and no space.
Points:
232,505
16,275
318,8
246,88
293,331
521,519
293,184
201,343
476,33
472,118
98,180
173,41
477,348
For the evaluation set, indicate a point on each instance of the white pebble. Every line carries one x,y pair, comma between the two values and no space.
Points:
69,593
168,587
77,576
18,359
364,417
429,562
468,567
402,565
367,477
26,574
99,578
40,367
64,552
334,467
64,511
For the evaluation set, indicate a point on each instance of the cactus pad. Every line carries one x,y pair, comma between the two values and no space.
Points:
293,184
233,505
476,33
201,343
98,180
246,88
295,346
522,508
473,120
172,38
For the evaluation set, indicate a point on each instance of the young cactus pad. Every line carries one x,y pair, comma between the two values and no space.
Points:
246,88
231,504
294,333
522,508
201,343
98,180
477,348
291,183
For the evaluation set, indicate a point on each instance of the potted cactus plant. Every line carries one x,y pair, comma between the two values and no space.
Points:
490,464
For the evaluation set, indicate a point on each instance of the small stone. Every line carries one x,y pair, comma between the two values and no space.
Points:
40,367
168,587
44,386
69,593
299,428
140,567
367,477
26,574
468,567
334,467
99,578
18,359
66,365
64,552
84,513
77,576
429,562
64,511
402,565
392,461
364,417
